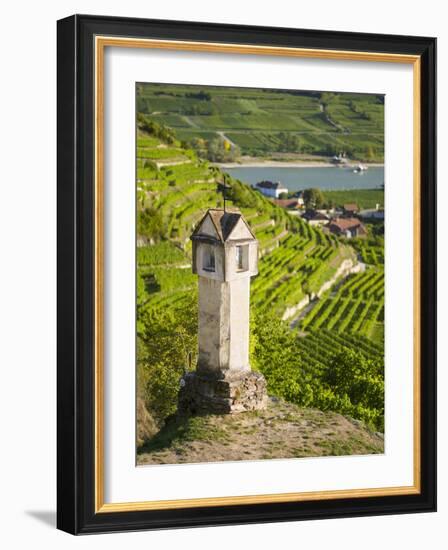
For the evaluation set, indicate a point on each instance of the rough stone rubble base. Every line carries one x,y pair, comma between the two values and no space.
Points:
231,393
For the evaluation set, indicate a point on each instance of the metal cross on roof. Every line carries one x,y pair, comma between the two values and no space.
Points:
225,188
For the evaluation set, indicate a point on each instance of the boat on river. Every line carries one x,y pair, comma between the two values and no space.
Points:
359,168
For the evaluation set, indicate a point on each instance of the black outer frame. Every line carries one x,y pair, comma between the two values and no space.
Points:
75,295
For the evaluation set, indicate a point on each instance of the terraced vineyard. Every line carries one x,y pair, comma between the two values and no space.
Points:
296,258
167,281
299,266
268,121
371,253
356,307
182,187
174,190
318,348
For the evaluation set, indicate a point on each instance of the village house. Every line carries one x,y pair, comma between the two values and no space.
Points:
294,203
350,209
347,227
315,217
333,212
271,189
376,213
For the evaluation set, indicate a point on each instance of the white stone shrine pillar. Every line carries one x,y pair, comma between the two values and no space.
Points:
225,257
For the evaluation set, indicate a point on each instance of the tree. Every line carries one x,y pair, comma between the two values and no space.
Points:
215,149
201,95
288,142
313,198
370,153
326,98
166,348
221,150
142,295
160,131
274,353
199,145
242,196
151,224
361,379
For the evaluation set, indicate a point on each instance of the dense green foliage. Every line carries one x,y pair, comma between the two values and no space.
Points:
166,345
332,373
263,122
151,224
152,128
220,150
313,198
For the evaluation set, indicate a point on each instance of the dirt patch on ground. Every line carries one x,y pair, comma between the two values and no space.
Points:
282,430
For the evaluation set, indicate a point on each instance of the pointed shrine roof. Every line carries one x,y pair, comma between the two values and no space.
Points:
224,222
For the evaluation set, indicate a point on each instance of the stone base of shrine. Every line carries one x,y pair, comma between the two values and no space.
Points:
226,393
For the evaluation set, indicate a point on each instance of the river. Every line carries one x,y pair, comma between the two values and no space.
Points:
298,178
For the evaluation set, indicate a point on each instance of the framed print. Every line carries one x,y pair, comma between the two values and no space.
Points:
246,274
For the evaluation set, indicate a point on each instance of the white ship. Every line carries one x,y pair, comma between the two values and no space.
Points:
359,168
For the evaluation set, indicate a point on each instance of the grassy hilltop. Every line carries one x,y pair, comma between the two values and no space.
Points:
271,122
328,357
283,430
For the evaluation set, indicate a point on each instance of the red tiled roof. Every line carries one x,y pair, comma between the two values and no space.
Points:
286,203
344,224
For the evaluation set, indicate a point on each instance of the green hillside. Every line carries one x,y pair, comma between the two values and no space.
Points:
262,122
307,361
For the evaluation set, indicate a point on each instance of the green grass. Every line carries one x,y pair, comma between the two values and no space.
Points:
350,446
178,431
364,198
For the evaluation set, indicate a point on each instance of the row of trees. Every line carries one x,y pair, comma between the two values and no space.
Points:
312,197
152,128
217,149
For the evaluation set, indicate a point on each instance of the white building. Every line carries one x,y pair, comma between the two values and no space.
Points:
271,189
376,213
